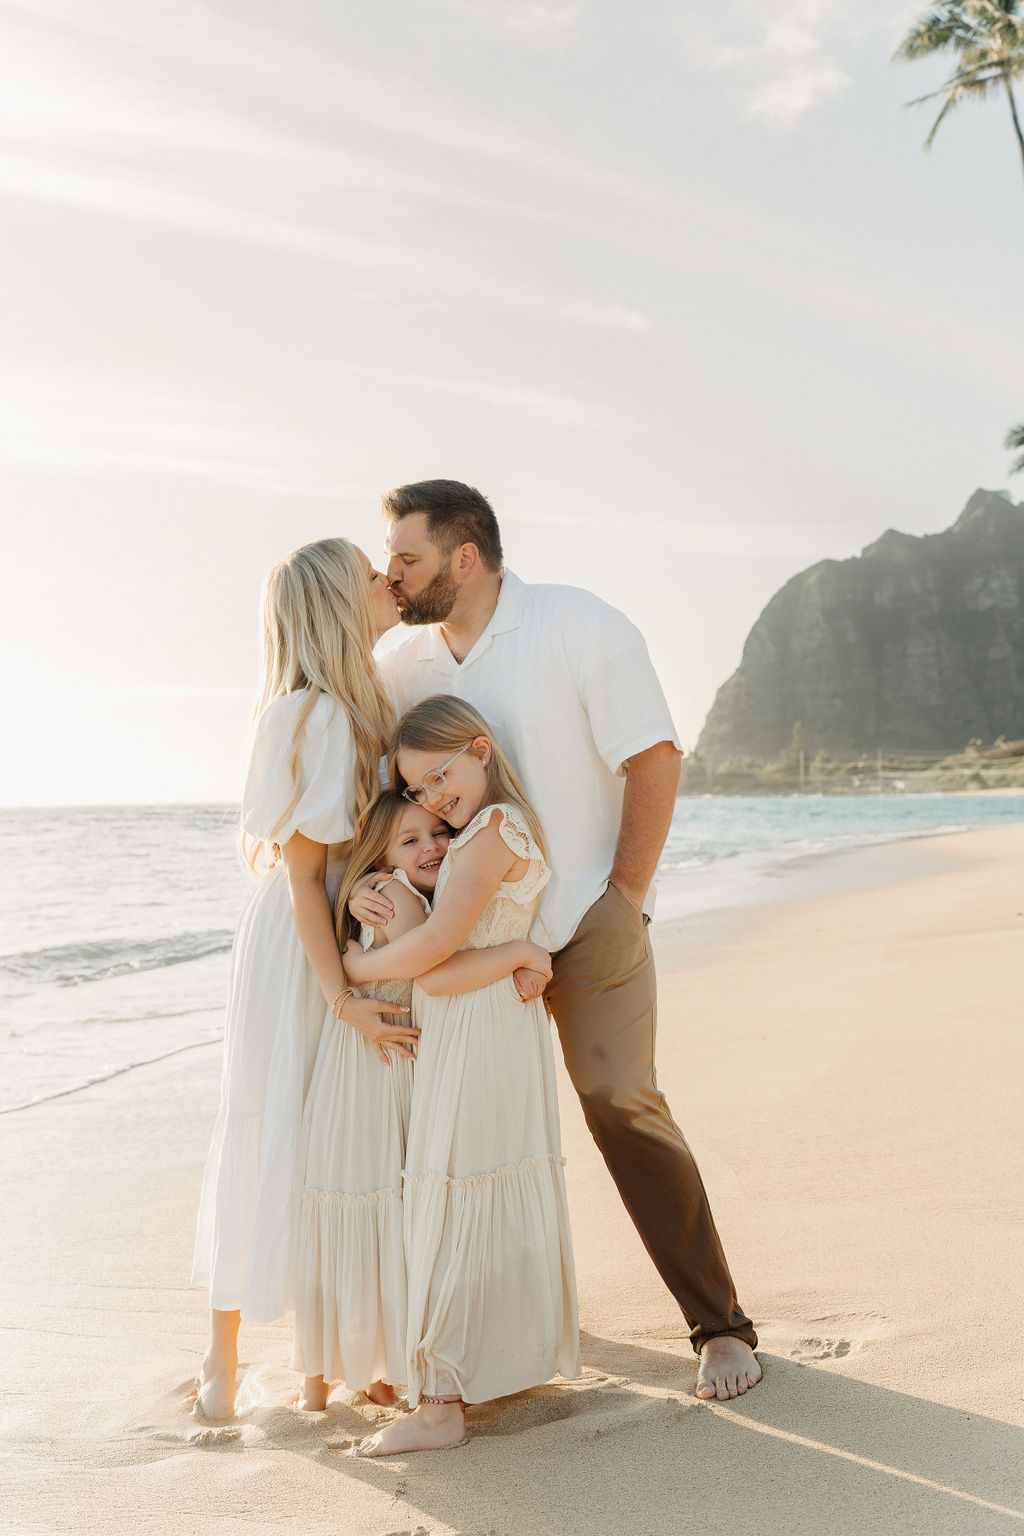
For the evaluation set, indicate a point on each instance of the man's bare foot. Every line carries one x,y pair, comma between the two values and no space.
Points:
381,1393
727,1368
313,1394
433,1427
215,1397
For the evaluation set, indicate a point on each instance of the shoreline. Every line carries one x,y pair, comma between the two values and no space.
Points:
845,1068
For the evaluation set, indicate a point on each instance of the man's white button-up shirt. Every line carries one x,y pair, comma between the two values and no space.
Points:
566,683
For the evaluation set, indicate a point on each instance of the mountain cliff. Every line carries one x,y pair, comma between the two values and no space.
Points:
916,644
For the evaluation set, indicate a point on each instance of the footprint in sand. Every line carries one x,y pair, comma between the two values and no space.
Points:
833,1337
820,1349
215,1437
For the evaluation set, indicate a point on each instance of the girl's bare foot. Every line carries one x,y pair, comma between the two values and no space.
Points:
727,1368
313,1394
433,1427
215,1398
382,1394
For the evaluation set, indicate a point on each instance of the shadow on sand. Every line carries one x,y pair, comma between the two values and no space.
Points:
630,1449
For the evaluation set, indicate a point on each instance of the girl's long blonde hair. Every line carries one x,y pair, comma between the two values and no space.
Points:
366,852
444,724
318,634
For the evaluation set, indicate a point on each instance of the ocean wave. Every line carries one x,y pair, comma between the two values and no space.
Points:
68,965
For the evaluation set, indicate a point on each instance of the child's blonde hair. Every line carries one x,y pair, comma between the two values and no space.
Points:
366,853
318,634
444,724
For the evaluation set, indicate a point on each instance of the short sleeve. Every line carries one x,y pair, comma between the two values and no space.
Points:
621,692
368,935
324,773
515,835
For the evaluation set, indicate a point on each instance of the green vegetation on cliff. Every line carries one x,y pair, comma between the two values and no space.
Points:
907,650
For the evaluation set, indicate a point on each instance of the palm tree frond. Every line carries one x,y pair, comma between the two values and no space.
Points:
953,100
1015,439
935,33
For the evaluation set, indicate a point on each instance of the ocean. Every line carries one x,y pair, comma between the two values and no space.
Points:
116,921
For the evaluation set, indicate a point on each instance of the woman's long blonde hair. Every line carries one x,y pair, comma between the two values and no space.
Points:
318,634
366,852
444,724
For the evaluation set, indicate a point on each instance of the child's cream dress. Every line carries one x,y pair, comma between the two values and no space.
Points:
492,1291
350,1295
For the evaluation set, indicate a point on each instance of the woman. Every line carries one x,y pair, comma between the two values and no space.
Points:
320,724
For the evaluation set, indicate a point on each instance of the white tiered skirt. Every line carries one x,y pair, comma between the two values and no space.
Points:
248,1211
350,1295
491,1283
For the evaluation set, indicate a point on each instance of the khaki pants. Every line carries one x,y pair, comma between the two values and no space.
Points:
603,996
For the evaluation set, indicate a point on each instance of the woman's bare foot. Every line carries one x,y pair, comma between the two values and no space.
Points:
215,1398
727,1368
381,1393
433,1427
313,1394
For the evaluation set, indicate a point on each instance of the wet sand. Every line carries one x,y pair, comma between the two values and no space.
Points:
847,1067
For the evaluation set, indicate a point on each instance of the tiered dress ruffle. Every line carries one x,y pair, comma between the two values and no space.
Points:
350,1303
491,1282
247,1228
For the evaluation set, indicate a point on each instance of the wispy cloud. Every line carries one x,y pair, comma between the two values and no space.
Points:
711,539
563,410
784,57
113,109
536,22
149,54
58,422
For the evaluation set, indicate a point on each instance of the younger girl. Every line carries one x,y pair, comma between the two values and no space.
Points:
350,1311
492,1295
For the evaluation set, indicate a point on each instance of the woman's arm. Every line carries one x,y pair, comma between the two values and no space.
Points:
305,865
471,969
481,866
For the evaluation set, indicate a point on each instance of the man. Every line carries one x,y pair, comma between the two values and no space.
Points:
567,683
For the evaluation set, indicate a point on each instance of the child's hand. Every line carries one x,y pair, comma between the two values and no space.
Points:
530,983
368,906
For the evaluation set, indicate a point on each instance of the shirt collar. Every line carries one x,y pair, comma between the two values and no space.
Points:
507,615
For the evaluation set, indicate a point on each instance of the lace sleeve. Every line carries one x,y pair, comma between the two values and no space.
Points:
511,828
515,835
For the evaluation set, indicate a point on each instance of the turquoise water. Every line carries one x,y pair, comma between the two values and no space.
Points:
116,922
722,850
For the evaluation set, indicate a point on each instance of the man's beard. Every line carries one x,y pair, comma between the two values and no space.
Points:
433,604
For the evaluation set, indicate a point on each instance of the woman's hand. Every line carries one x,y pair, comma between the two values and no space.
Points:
368,906
369,1015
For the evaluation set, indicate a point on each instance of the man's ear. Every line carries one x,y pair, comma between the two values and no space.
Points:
467,558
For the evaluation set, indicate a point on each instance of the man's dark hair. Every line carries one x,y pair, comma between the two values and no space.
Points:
456,514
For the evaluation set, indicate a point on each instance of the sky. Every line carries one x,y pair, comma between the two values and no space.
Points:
674,284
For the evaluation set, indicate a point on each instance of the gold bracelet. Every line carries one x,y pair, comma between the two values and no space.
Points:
343,995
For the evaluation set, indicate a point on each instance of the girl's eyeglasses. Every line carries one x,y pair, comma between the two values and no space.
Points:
432,781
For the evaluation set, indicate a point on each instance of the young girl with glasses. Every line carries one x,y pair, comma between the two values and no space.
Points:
491,1286
350,1294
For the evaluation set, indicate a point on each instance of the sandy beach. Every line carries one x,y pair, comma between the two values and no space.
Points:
847,1069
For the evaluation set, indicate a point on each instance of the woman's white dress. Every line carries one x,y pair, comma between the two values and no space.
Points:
248,1211
492,1290
350,1297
